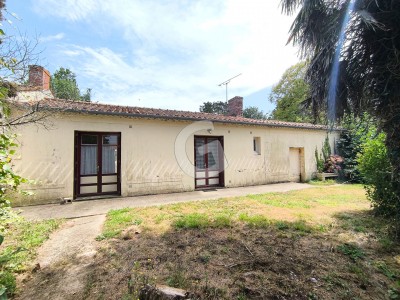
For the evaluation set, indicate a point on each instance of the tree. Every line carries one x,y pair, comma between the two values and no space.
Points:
64,86
357,130
290,94
365,55
252,112
218,107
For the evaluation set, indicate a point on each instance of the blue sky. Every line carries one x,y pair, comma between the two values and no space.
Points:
162,53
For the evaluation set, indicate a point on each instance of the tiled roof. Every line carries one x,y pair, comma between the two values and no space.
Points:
143,112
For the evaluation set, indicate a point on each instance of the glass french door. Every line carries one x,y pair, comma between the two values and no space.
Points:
208,162
97,164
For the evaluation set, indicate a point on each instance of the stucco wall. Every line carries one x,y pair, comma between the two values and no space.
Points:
148,162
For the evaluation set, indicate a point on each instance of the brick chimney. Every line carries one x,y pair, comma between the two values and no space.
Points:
39,77
235,106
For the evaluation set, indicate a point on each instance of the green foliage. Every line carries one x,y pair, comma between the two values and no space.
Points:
117,220
326,182
256,221
326,149
16,256
368,67
319,160
353,251
64,86
326,162
194,220
7,284
218,107
356,131
9,181
376,171
221,108
289,95
252,112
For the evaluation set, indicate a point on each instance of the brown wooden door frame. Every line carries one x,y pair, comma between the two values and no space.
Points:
77,164
221,172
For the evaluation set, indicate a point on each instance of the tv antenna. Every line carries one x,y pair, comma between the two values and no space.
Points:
226,85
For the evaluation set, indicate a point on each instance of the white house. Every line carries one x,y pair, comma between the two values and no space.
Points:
93,150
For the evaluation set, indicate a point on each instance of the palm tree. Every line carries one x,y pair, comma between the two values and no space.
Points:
368,61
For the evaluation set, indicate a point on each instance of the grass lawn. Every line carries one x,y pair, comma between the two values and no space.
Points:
318,243
19,249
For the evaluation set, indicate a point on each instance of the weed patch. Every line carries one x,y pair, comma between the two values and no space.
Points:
351,250
257,221
22,238
194,220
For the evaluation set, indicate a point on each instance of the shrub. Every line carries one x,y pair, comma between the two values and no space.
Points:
376,170
333,164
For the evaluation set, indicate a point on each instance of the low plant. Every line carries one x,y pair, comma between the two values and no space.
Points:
351,250
137,281
386,270
17,255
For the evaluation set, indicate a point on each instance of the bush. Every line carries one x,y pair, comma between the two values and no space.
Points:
376,171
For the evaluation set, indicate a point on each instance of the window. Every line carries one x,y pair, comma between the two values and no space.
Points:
257,145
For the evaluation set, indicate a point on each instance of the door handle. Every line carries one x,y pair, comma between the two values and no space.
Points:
98,168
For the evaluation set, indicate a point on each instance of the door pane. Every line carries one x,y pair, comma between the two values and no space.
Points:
109,178
200,182
200,153
213,181
88,179
88,159
213,160
109,188
88,189
109,159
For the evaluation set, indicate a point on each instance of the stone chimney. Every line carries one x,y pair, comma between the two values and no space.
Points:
235,106
39,77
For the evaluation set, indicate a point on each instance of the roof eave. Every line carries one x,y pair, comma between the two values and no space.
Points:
141,116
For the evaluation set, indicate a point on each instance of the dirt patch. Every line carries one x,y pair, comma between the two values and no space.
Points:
235,263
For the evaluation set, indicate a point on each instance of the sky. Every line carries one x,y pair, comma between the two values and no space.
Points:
170,54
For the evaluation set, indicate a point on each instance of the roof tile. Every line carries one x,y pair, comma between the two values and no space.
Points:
144,112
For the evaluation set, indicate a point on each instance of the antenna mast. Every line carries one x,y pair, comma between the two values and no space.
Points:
226,85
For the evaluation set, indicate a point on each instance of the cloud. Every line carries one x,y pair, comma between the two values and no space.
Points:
175,53
50,38
72,10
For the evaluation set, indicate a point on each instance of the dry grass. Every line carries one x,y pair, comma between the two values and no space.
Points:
319,243
316,206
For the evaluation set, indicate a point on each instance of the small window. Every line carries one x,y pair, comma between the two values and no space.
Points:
257,145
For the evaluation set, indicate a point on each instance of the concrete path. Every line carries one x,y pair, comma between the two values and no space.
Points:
100,207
